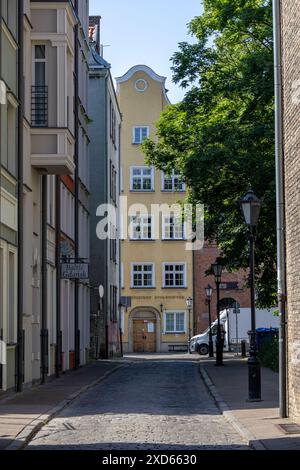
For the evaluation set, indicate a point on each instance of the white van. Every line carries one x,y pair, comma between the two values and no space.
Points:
236,326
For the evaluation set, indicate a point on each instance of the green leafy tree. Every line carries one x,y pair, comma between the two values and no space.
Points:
221,136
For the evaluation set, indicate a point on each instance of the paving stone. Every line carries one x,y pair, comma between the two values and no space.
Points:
149,405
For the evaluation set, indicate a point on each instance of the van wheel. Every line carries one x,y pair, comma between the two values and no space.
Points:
202,349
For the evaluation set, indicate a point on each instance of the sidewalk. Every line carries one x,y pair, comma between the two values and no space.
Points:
23,414
256,421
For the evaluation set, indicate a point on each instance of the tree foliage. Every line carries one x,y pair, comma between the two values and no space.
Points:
221,136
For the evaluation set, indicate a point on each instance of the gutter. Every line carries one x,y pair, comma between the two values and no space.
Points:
20,332
76,202
107,283
44,331
58,352
280,211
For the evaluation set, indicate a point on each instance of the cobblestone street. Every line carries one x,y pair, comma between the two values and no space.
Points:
147,405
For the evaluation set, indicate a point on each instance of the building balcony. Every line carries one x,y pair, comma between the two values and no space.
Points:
52,150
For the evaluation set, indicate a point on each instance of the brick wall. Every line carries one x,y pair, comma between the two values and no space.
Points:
202,262
291,99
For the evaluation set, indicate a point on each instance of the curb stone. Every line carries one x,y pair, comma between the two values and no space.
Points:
30,430
254,443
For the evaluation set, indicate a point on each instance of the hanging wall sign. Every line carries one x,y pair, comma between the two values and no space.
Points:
74,271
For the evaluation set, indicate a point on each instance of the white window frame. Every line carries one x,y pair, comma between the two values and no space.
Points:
132,168
164,224
144,224
172,176
132,275
164,274
175,331
35,60
140,139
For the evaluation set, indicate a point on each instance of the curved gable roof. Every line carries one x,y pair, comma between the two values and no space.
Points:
144,68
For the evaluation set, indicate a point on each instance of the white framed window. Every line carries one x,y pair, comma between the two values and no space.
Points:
173,227
140,133
40,65
39,99
174,275
172,182
141,227
141,178
175,322
142,275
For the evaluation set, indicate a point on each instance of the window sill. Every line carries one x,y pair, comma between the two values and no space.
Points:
142,191
173,191
142,288
174,287
142,240
174,332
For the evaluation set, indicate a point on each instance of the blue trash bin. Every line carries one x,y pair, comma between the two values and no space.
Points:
264,336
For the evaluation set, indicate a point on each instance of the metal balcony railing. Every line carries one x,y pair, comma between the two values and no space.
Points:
39,106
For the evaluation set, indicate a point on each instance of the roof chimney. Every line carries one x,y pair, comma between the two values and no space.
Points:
94,31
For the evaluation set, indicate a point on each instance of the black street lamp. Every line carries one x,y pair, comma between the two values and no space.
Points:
217,270
250,206
189,303
208,292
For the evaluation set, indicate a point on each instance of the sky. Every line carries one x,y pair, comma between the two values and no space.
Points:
145,32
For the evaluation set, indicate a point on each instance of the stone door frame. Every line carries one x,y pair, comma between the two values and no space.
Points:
140,313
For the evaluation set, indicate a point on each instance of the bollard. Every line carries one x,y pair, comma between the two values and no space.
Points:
243,348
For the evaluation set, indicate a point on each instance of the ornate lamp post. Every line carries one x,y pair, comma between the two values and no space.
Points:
250,206
208,292
189,303
217,270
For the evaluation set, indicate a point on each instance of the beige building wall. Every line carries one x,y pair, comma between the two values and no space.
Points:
143,108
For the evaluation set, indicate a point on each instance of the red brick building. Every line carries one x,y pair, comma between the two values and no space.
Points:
232,288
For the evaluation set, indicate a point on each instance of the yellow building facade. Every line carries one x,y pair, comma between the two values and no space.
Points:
157,270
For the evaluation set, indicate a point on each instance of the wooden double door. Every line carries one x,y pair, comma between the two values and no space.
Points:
144,335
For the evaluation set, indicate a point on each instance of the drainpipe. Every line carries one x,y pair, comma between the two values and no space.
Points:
44,330
58,352
20,332
107,283
280,210
1,325
119,239
76,300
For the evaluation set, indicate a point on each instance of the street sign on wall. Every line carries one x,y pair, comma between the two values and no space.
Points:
74,271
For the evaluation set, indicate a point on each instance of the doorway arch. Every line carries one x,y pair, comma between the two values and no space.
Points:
144,313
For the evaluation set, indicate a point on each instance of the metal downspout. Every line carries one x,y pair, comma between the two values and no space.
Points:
107,286
20,334
76,300
44,331
58,355
280,210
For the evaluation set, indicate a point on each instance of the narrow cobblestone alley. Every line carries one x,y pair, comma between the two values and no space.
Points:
147,405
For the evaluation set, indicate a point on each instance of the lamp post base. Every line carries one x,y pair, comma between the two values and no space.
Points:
254,378
219,353
211,349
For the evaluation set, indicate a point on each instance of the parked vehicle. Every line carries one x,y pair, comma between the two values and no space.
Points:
235,327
